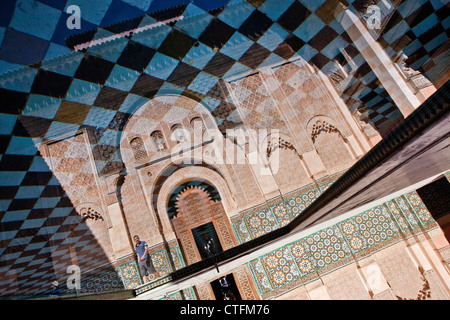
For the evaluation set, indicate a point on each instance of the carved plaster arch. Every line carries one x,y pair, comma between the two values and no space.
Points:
320,123
333,158
287,164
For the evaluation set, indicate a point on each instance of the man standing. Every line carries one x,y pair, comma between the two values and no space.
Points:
55,289
144,260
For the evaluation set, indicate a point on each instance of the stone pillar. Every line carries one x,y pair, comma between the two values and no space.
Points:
379,61
357,140
117,227
118,232
317,291
424,255
375,282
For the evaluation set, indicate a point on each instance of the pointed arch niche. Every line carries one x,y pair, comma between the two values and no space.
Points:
332,147
286,163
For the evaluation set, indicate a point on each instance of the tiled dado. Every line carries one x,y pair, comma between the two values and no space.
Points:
337,245
164,267
126,275
121,275
258,221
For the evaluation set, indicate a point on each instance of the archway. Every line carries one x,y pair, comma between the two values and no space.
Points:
194,201
287,168
330,144
199,220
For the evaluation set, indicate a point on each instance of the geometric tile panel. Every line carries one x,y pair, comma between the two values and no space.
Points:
275,216
161,263
129,275
333,245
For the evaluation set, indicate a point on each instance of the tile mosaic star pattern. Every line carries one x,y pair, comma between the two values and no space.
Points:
334,245
256,224
53,90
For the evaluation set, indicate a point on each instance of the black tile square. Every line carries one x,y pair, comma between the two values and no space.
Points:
39,213
36,178
119,120
219,91
51,84
216,34
254,56
323,38
136,56
169,13
146,85
320,60
419,15
112,167
8,192
411,35
294,42
33,127
294,16
197,96
4,142
256,3
374,84
431,33
22,204
219,65
284,50
183,75
401,42
394,19
110,98
103,152
126,25
351,50
340,59
223,110
368,97
443,13
289,46
11,162
12,226
255,25
53,191
26,233
94,69
64,202
13,102
418,54
176,44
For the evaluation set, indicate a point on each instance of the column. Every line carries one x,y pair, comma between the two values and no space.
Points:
379,62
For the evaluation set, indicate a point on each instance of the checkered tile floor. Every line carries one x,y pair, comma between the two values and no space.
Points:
187,50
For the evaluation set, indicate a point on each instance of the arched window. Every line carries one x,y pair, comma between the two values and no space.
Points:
331,146
322,126
137,145
179,134
158,140
197,122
